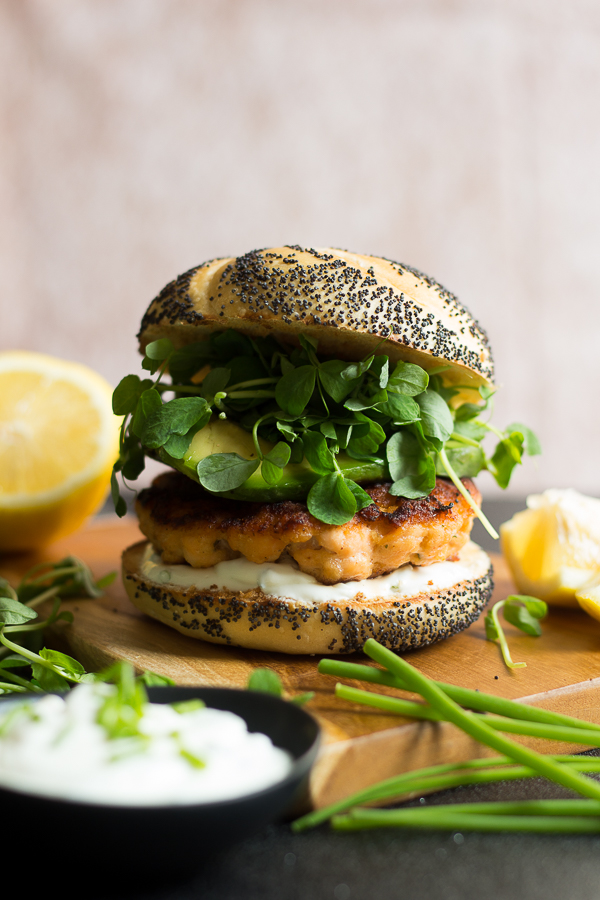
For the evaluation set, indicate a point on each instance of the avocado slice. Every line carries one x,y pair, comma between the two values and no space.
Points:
297,478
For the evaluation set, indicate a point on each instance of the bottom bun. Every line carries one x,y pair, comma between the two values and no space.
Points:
262,621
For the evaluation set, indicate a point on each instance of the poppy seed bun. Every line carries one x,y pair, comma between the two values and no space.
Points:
353,305
258,621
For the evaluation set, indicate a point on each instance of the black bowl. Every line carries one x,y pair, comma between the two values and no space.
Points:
142,842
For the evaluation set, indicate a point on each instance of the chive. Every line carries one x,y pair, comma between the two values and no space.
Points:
465,696
413,710
413,818
474,725
439,778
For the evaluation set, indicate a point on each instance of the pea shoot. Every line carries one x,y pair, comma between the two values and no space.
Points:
347,422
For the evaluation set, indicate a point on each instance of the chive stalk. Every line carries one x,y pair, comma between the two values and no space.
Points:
412,710
440,778
474,726
411,818
465,696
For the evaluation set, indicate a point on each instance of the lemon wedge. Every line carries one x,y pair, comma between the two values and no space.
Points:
553,547
589,597
58,441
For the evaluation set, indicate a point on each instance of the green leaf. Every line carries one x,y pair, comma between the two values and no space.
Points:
468,411
402,409
412,469
333,382
408,379
270,472
380,370
360,495
317,453
48,679
106,580
279,455
295,389
118,501
160,349
153,679
127,393
175,417
225,471
178,444
12,612
466,462
531,442
535,607
506,456
328,430
436,418
525,612
471,430
265,681
301,699
355,371
71,666
134,461
14,662
331,501
149,401
216,381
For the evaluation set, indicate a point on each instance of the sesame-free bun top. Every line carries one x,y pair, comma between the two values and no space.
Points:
353,305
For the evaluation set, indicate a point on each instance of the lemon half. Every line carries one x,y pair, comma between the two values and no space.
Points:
553,547
58,441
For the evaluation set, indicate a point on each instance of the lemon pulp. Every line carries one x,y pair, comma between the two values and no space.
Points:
553,547
58,440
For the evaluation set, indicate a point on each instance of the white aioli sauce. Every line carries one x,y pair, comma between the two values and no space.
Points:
287,583
57,749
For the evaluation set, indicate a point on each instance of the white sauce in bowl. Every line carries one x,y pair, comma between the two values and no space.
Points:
285,582
56,748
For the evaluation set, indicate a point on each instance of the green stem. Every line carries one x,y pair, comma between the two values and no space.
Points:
502,637
474,726
439,778
464,440
411,710
460,486
412,818
253,383
465,696
249,395
53,573
34,657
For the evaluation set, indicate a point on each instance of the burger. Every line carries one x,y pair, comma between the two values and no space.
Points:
321,416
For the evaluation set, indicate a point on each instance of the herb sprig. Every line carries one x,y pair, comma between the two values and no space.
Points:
397,417
49,670
523,612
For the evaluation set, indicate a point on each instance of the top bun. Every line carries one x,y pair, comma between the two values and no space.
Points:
353,305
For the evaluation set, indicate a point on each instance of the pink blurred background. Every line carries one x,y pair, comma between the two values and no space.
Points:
141,137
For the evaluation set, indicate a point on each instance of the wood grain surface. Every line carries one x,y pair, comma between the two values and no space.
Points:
360,746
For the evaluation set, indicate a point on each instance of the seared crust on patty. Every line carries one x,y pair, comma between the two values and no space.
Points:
260,621
186,524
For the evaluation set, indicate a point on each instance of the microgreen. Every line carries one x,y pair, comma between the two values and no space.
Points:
523,612
312,409
50,669
267,681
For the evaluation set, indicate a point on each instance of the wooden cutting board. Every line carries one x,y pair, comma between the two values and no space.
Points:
360,746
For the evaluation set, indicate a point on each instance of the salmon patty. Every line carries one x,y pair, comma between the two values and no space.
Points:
186,524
